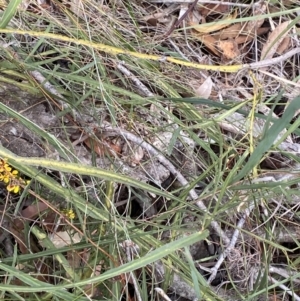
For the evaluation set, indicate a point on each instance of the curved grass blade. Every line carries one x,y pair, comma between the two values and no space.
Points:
63,151
270,136
9,12
21,163
163,251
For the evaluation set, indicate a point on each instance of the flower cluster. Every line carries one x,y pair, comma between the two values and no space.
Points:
11,177
69,213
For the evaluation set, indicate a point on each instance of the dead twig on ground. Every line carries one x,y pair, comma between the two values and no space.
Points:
285,288
180,20
232,244
181,179
140,86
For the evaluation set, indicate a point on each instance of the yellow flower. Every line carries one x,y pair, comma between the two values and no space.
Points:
11,177
14,173
7,167
5,179
4,167
69,213
13,188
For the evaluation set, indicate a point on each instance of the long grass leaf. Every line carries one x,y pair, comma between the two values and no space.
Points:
125,268
9,12
269,138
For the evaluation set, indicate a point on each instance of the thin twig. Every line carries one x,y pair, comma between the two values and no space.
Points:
294,275
141,87
181,179
131,248
285,289
50,88
234,238
162,293
273,61
180,20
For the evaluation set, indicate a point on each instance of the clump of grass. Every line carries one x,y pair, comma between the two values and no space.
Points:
90,90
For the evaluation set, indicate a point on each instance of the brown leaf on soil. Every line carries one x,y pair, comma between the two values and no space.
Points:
49,221
158,17
246,38
229,49
102,149
212,26
238,32
284,45
34,210
230,32
17,224
209,41
259,10
30,213
274,40
20,239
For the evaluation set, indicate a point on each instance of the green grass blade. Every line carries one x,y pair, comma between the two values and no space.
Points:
163,251
269,138
32,282
9,12
80,169
63,151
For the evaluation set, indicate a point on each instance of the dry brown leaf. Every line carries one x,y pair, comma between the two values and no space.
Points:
32,211
158,17
236,30
213,26
62,239
230,32
17,224
204,90
274,40
195,17
283,45
209,41
260,9
138,155
102,149
18,235
244,39
229,49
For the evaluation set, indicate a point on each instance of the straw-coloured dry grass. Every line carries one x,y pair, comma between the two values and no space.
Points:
149,150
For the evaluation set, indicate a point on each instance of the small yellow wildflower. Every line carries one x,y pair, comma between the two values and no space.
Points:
11,177
14,173
69,213
5,179
13,188
4,167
